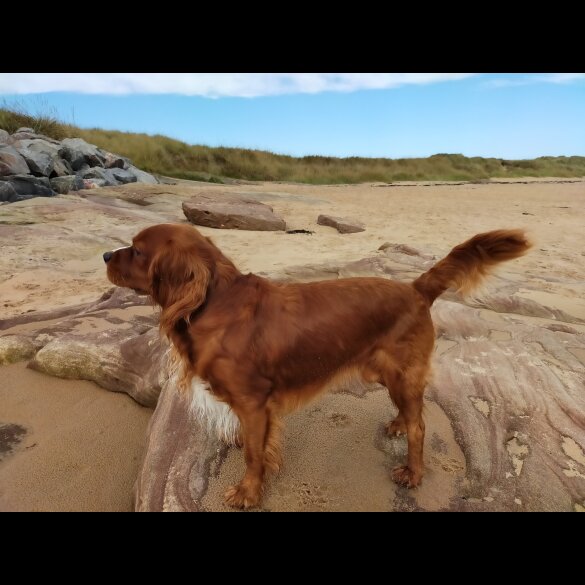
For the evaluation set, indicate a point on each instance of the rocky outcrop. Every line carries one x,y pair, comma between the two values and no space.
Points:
228,211
177,460
26,153
114,342
120,360
343,225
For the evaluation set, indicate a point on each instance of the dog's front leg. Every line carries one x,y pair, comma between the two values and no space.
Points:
254,425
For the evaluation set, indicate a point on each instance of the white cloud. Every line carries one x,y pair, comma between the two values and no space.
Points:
212,84
563,77
532,78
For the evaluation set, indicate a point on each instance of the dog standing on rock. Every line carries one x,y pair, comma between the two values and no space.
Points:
253,350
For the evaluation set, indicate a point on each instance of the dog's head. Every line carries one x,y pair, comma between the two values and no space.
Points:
170,262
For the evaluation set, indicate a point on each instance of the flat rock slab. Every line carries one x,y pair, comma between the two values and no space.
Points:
343,225
226,211
113,342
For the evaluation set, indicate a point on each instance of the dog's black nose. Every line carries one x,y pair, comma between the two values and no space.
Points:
108,256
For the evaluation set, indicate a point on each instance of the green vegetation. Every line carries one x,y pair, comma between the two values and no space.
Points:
165,156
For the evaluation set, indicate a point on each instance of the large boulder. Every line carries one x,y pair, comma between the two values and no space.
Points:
142,176
11,161
4,136
43,157
27,186
227,211
105,175
78,152
124,176
114,342
39,163
120,360
343,225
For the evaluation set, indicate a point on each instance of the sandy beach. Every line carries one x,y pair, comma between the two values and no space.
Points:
82,448
83,445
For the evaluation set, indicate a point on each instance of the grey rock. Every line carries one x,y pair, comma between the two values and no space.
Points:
8,193
78,152
124,176
18,136
11,161
4,136
142,176
105,175
39,163
43,157
28,186
343,225
226,211
23,129
67,183
40,181
84,168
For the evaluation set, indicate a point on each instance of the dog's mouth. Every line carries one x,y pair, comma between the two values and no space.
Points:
119,280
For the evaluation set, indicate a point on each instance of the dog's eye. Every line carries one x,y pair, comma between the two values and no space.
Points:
136,252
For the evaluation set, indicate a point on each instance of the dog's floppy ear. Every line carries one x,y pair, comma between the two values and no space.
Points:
179,278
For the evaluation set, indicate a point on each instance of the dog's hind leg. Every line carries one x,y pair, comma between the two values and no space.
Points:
410,475
406,386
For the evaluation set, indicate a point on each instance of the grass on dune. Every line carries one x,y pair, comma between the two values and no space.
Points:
166,156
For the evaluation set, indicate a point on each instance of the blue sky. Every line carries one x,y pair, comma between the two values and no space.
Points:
379,115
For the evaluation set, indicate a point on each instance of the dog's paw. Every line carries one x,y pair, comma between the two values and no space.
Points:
396,428
404,476
241,496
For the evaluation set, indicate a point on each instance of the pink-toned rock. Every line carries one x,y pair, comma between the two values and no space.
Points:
343,225
226,211
114,342
11,161
177,458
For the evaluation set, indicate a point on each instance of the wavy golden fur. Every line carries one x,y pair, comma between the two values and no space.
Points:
266,348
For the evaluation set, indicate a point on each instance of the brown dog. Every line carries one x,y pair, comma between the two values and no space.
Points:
261,349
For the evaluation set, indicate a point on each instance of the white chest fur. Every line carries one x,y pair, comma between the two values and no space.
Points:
214,415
